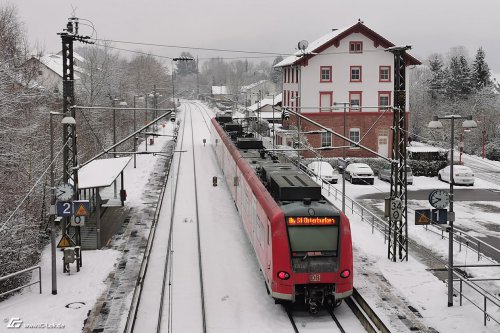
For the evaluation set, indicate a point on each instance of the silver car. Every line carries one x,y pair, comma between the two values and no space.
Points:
359,172
462,175
385,174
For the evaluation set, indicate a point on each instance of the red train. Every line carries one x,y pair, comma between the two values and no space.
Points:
302,241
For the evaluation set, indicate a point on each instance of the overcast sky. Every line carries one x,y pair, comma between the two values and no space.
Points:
268,25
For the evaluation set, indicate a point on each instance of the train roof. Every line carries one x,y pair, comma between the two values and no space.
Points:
284,181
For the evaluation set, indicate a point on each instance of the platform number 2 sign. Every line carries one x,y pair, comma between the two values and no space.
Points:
64,208
396,209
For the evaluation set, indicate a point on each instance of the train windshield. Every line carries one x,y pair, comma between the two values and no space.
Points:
310,238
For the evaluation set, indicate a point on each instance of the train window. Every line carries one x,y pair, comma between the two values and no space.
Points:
313,238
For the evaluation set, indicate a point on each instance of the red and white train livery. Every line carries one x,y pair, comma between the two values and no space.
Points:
301,240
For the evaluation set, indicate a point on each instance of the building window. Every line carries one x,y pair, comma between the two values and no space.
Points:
297,74
355,100
384,100
326,139
326,74
355,73
355,47
384,74
293,75
354,136
325,101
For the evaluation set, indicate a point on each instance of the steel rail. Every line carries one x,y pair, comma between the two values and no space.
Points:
170,240
200,265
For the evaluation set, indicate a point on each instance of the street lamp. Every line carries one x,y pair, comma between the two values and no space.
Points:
436,124
141,98
67,120
345,104
122,103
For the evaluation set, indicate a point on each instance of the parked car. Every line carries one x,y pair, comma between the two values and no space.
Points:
324,170
359,172
462,175
385,174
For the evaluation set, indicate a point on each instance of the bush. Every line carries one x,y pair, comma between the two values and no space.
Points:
492,150
426,168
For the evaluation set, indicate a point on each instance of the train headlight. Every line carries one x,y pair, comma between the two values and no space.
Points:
345,273
283,275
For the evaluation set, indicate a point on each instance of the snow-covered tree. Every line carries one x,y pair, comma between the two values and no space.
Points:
480,71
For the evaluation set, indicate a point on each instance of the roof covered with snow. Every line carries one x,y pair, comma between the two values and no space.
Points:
55,63
334,37
253,85
101,173
426,149
264,102
219,90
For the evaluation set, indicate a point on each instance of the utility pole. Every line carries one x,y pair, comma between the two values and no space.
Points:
70,171
398,226
197,78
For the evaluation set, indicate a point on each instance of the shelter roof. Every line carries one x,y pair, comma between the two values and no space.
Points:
101,173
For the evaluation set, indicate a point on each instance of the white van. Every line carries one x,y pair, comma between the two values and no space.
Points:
324,170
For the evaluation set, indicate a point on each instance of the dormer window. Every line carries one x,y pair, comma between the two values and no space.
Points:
355,47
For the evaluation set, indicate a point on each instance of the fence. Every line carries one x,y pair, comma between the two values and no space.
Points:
6,277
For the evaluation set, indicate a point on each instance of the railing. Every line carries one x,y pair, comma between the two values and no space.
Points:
461,237
6,277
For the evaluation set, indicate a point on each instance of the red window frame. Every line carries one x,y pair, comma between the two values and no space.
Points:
380,74
326,93
353,47
380,93
321,73
360,74
360,93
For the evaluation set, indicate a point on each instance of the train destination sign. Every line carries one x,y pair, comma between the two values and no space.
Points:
308,220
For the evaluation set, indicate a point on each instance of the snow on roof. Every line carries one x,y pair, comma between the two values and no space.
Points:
264,102
312,46
55,63
253,85
101,173
426,149
359,27
219,90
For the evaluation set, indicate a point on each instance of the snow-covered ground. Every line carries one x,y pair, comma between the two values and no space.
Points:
237,295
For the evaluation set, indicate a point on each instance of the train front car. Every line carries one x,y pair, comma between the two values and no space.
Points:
318,238
302,242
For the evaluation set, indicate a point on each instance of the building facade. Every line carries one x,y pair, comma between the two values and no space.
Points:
346,71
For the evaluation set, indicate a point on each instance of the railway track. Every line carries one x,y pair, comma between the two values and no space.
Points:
173,285
303,322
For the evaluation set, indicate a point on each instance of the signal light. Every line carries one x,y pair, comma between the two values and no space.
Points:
172,117
283,275
345,273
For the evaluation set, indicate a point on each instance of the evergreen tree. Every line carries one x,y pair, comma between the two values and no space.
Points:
480,71
465,78
436,82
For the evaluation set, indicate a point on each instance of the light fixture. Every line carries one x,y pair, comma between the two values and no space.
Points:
68,120
435,123
469,123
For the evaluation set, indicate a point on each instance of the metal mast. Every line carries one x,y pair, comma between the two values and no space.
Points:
70,171
398,226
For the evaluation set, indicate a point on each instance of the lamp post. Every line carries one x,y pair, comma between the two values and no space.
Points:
436,124
66,121
345,104
122,103
141,97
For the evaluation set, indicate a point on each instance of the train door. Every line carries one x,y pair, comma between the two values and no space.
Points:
269,251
